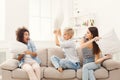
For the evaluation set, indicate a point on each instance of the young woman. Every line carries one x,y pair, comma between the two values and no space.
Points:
92,56
28,59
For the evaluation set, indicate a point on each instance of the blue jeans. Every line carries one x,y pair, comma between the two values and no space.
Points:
88,71
64,63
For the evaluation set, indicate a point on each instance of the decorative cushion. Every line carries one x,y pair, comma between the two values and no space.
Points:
10,64
16,48
109,43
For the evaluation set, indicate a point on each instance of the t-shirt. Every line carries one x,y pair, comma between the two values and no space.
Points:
69,48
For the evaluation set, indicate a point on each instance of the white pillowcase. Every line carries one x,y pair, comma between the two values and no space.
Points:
109,44
17,48
9,64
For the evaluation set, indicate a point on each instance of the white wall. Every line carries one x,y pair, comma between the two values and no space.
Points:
16,16
107,13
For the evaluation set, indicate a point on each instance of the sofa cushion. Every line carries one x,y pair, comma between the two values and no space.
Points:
52,73
42,54
22,74
54,51
98,73
9,64
101,73
19,73
111,64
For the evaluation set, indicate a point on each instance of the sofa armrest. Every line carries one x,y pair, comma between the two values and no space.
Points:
111,64
10,64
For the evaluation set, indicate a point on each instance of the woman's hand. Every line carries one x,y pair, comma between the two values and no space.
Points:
20,56
107,56
96,38
34,54
28,52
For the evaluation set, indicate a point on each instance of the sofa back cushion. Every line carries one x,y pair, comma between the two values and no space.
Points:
42,54
54,51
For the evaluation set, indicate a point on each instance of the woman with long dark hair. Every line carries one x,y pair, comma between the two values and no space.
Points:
92,56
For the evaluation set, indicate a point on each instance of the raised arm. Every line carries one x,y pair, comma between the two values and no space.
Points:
57,33
85,44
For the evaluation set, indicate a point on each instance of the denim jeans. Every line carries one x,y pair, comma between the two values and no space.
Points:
88,71
64,63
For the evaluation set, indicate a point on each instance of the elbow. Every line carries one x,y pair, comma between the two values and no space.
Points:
97,62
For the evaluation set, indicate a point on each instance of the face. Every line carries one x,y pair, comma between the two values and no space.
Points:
88,35
66,36
26,37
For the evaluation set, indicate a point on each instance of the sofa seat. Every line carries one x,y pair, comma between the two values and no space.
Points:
110,69
97,73
21,74
51,72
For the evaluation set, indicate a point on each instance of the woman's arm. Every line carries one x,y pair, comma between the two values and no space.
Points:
85,44
99,60
34,54
20,56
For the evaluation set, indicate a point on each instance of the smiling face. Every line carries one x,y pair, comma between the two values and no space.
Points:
88,35
26,37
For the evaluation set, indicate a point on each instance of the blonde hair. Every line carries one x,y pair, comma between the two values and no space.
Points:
69,31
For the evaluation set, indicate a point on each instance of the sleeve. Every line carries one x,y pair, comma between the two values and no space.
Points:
31,46
67,44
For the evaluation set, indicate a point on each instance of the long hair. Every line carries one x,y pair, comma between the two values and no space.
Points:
94,32
20,34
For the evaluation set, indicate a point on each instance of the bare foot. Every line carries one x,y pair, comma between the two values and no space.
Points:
60,69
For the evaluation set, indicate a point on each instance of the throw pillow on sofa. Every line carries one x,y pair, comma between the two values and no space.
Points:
9,64
109,43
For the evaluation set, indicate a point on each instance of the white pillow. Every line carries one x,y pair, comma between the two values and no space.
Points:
17,48
109,44
9,64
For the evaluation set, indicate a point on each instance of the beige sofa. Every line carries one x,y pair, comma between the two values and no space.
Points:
110,69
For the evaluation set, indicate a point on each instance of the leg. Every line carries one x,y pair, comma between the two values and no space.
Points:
36,68
66,64
91,75
28,68
86,68
55,61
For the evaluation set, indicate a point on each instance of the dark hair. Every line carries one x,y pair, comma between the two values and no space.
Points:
94,32
20,34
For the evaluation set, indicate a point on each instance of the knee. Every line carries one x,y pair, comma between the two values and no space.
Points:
28,68
85,66
36,67
62,62
52,58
